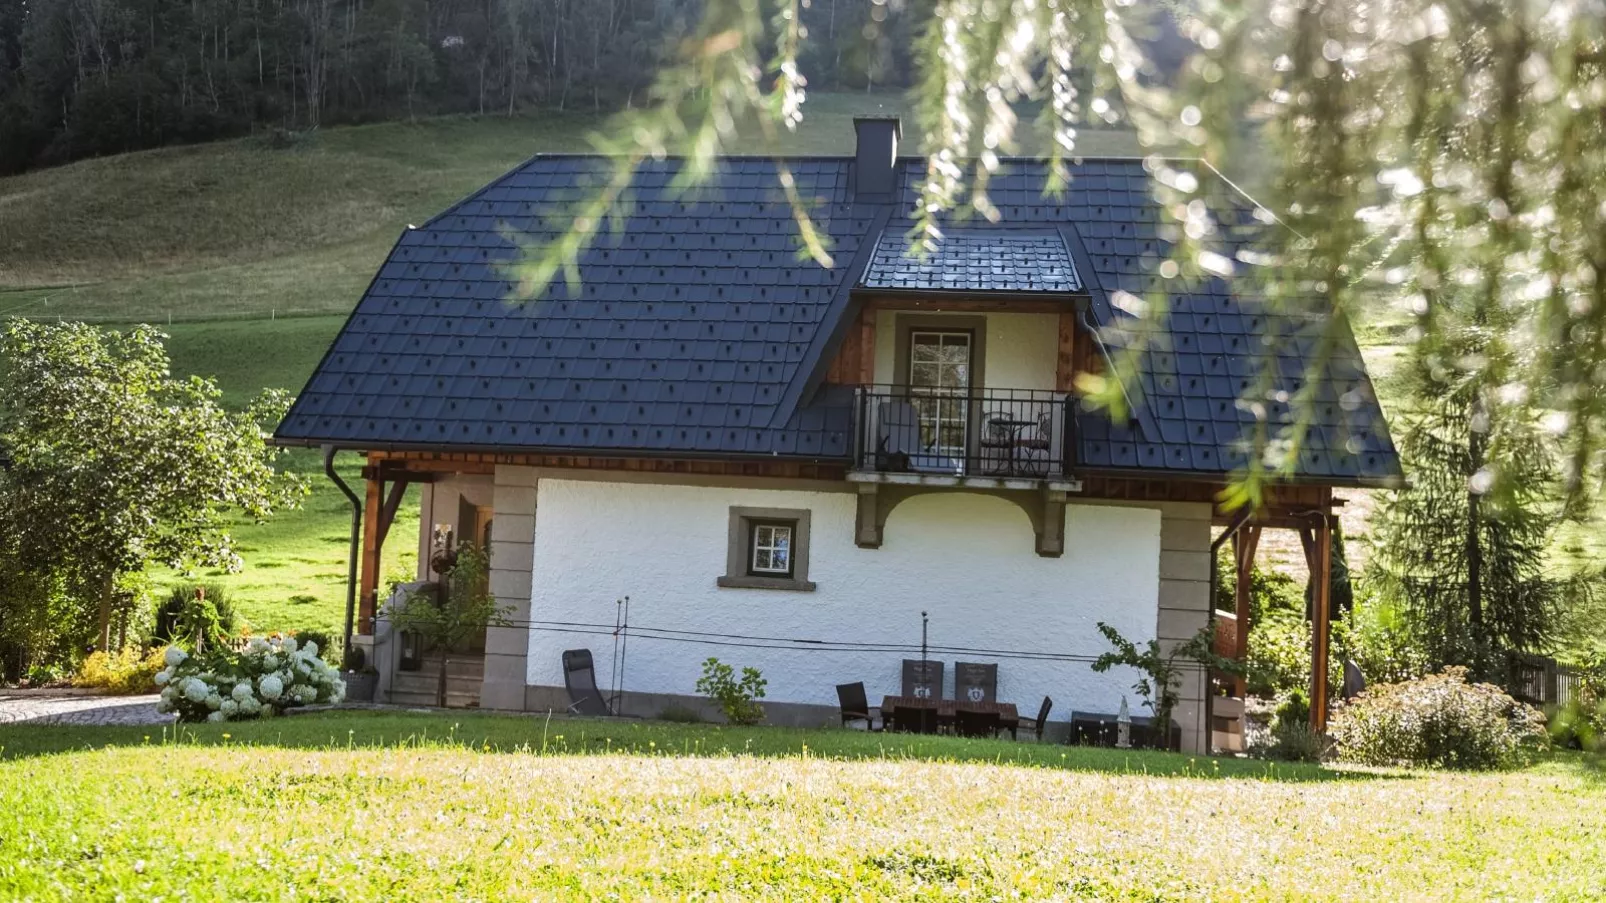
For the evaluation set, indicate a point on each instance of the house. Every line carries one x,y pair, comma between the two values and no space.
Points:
818,471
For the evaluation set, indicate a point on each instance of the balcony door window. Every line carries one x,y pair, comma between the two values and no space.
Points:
939,387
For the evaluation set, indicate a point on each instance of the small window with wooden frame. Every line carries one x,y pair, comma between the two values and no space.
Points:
767,548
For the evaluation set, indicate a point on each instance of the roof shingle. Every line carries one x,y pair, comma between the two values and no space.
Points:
695,324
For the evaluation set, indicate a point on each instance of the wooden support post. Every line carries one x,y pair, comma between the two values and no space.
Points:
372,540
866,345
1321,623
1065,359
1244,545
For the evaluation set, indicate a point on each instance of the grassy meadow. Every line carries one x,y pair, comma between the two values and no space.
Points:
358,806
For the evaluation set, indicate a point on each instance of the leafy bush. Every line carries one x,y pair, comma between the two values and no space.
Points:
1380,638
1581,724
43,675
1161,673
1292,741
321,639
269,676
195,616
738,699
133,670
1437,721
1293,709
1279,654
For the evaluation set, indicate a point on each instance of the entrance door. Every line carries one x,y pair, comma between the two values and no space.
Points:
939,387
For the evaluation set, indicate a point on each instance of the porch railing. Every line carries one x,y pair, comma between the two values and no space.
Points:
1005,433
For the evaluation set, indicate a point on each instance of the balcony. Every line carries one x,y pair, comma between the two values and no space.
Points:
980,438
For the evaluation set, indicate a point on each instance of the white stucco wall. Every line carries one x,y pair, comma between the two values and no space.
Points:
966,559
1022,350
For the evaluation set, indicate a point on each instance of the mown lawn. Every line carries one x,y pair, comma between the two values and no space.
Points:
358,806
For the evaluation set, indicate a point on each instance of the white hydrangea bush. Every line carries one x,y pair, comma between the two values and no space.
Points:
270,675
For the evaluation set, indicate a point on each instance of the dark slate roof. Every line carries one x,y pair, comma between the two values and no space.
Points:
696,329
976,260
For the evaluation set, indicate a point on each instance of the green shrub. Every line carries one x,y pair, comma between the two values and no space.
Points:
195,612
1293,709
1437,721
326,643
264,679
1294,741
133,670
738,699
1379,637
1279,654
1581,723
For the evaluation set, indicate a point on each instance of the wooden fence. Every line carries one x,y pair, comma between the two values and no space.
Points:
1544,682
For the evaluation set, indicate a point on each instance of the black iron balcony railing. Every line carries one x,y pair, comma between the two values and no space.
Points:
1002,433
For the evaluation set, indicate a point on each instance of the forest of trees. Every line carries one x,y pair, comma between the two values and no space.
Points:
83,78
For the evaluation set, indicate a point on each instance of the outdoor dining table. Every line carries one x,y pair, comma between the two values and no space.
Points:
1008,717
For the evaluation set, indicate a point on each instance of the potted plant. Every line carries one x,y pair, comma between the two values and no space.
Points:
362,681
460,608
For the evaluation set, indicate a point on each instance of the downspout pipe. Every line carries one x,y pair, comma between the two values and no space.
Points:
356,542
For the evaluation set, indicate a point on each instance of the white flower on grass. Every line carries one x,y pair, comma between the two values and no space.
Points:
173,656
270,662
170,693
161,678
215,716
250,706
214,701
311,648
242,691
289,644
270,687
195,689
230,708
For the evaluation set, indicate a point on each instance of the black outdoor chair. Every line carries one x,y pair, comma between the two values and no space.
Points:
916,720
856,708
922,679
580,677
975,683
1038,724
975,724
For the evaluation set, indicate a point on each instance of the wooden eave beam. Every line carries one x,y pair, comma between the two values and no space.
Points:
970,302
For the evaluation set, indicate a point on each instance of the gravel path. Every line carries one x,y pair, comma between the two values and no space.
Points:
65,707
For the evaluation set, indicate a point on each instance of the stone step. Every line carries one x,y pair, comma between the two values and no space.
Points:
456,667
454,700
415,682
